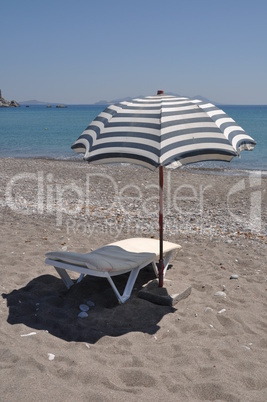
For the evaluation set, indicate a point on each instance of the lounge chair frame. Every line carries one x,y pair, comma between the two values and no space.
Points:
62,266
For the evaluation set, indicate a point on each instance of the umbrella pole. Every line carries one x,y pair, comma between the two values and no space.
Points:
161,261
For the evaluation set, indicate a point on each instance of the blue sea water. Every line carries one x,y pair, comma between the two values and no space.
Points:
38,131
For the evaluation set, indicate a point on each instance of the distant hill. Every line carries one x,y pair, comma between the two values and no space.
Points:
193,97
110,102
36,102
102,102
128,98
203,99
105,102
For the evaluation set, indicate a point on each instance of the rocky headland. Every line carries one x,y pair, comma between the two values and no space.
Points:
6,103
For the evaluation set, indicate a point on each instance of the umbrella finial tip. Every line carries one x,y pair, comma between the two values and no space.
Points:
160,92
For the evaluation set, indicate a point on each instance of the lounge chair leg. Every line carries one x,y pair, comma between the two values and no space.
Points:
128,288
130,284
115,290
155,267
167,258
80,278
65,277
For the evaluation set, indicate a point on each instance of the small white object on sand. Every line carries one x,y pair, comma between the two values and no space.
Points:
51,356
234,276
30,334
220,294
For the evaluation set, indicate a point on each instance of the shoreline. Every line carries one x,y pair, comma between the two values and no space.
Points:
228,170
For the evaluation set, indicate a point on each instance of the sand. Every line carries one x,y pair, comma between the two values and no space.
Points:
205,348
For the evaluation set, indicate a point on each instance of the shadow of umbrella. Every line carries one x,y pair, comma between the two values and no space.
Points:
45,304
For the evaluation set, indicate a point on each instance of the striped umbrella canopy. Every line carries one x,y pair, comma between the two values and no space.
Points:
162,130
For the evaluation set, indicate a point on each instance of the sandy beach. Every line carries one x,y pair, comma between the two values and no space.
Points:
207,347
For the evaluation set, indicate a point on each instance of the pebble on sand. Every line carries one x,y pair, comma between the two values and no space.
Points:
84,307
207,309
220,294
51,356
234,276
82,314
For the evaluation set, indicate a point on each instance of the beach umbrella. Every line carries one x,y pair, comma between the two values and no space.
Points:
162,131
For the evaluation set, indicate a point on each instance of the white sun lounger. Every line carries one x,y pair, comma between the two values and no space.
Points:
117,258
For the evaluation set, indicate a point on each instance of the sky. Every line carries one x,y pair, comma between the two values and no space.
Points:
84,51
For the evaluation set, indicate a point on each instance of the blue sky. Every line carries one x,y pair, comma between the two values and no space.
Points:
83,51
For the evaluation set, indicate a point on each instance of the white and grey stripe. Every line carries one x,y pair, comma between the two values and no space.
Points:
162,130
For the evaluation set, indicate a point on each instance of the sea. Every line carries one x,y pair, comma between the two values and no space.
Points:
37,131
